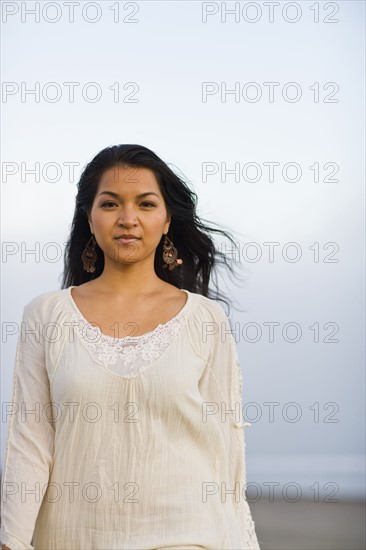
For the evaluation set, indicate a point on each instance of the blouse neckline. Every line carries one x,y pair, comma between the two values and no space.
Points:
180,313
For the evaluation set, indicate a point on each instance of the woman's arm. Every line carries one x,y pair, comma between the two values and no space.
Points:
237,459
30,441
222,385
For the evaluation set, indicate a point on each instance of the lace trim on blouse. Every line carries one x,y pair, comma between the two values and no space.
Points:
126,357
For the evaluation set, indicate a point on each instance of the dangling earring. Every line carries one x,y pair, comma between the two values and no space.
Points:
170,254
89,255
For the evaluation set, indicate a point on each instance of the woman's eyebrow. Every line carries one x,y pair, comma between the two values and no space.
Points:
116,195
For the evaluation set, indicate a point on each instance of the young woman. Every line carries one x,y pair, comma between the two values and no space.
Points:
126,427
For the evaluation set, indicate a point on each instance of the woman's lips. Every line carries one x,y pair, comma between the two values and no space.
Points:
124,240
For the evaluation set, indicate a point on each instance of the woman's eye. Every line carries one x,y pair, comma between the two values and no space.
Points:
110,203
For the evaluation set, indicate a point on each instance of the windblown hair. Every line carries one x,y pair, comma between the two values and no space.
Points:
191,237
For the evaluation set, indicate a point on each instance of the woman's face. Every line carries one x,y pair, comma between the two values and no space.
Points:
118,208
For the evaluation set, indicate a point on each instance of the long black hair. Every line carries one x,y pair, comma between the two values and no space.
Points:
201,257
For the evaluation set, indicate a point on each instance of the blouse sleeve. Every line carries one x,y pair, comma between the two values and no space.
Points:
223,385
30,440
237,454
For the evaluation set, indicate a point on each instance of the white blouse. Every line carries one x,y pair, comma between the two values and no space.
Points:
125,443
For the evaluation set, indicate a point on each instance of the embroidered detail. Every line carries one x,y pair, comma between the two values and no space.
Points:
249,535
127,356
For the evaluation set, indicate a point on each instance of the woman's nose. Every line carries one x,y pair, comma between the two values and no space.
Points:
127,215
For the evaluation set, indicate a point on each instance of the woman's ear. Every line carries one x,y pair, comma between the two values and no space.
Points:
90,225
167,225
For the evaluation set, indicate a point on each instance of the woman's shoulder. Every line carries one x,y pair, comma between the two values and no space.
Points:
207,309
208,325
44,301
